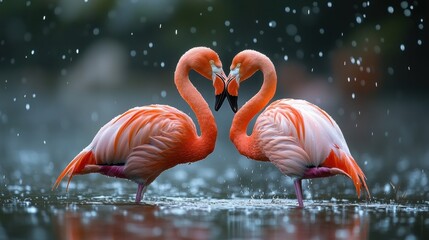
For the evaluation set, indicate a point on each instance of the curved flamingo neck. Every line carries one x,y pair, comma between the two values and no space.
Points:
245,144
205,143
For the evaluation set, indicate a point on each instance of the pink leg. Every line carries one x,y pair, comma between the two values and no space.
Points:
141,189
298,191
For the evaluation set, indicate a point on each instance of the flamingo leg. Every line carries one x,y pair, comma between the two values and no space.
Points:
141,189
298,191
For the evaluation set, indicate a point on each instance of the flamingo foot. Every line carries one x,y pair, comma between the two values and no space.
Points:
298,191
141,189
112,170
320,172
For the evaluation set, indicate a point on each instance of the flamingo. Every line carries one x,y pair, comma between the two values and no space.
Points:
298,137
145,141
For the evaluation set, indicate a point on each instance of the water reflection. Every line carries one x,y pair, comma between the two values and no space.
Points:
313,223
125,222
211,219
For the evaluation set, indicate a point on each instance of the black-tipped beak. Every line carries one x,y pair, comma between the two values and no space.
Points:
233,102
219,100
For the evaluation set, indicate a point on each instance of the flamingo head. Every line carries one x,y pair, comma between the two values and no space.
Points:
206,62
242,67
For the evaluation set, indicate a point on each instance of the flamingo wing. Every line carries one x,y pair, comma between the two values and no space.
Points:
138,145
297,135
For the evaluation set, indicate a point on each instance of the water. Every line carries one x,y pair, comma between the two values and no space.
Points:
52,216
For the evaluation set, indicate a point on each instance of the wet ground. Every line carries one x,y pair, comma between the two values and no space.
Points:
47,216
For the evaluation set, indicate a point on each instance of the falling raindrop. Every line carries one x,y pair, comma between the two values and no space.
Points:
163,93
390,9
402,47
27,106
272,24
162,64
353,96
407,12
359,19
96,31
285,57
150,45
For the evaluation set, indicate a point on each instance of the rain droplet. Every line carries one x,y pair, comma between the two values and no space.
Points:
353,96
96,31
402,47
133,53
272,24
32,52
77,50
163,93
34,95
44,18
44,141
227,23
390,9
329,4
407,12
162,64
150,45
358,19
27,106
175,32
285,57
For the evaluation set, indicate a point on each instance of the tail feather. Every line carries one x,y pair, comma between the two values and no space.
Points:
76,166
346,163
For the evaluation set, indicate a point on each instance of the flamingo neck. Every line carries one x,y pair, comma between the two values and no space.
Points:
244,143
204,144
